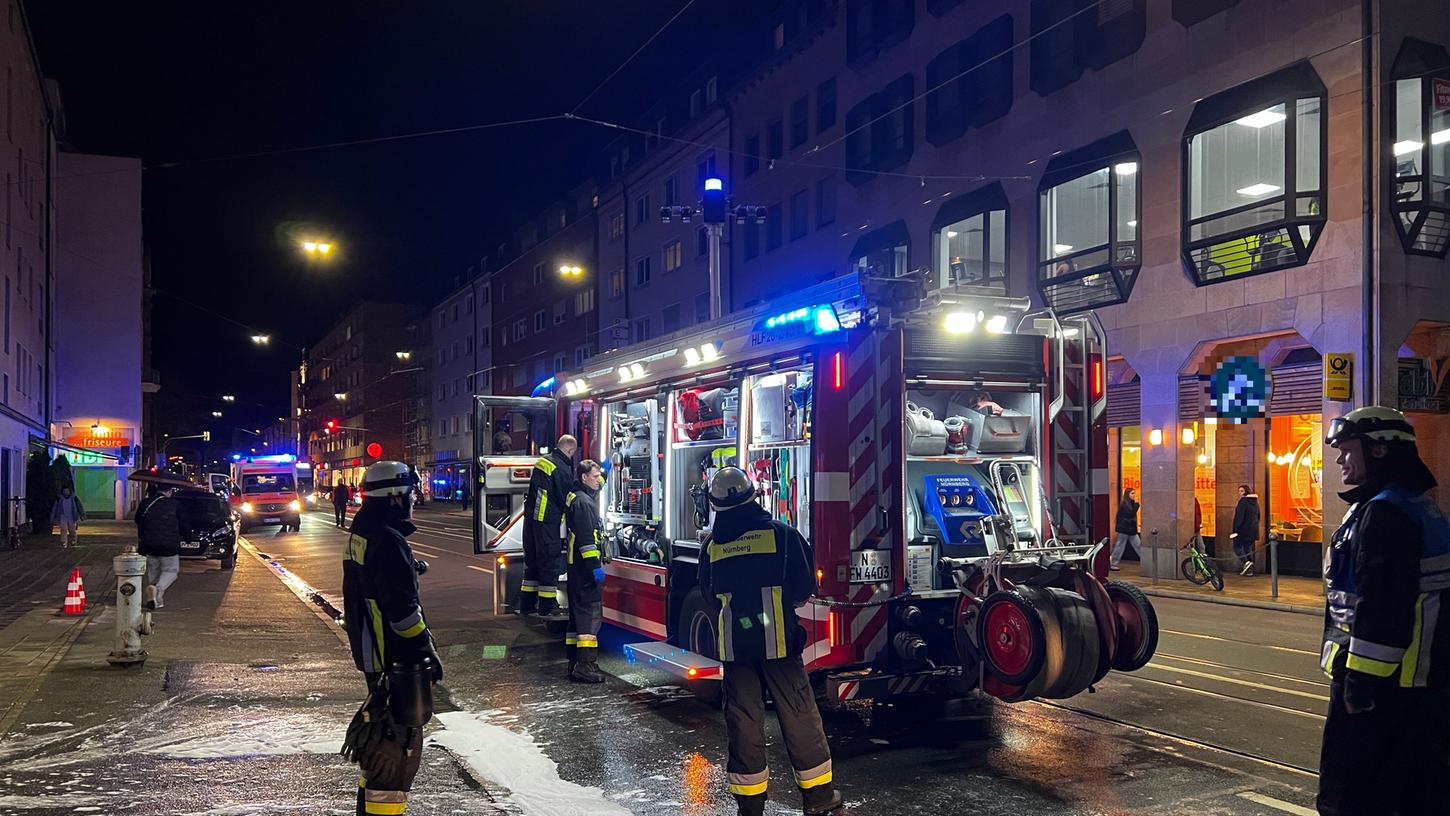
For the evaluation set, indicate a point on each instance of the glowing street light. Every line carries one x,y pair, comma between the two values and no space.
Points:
317,248
571,271
340,396
229,398
261,339
403,356
217,414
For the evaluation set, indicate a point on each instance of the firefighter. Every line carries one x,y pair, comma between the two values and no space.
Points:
1387,736
586,574
391,644
549,486
755,571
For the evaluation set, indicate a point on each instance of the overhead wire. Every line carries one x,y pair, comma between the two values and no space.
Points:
637,51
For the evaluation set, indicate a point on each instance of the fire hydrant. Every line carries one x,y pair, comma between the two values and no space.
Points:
130,568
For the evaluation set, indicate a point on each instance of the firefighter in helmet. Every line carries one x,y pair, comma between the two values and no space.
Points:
1387,736
391,644
755,572
586,574
549,486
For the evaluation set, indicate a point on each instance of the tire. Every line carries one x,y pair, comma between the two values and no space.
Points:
229,561
1216,576
1011,637
1191,571
1102,606
1072,641
1137,626
698,634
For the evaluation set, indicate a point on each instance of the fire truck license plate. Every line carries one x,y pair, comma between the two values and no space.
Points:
870,566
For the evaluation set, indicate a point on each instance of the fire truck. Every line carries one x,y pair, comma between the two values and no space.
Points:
944,453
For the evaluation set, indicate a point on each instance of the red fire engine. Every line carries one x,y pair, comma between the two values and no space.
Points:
943,453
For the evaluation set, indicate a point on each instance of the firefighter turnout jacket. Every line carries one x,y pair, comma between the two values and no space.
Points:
1385,574
549,487
383,614
584,555
754,571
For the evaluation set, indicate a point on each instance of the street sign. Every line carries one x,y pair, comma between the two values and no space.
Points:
1339,377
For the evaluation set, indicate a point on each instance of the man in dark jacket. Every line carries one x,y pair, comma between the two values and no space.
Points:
1387,735
391,644
755,571
340,498
1245,530
586,574
159,531
549,486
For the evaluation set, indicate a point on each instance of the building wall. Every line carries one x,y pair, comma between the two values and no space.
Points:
453,363
98,323
27,141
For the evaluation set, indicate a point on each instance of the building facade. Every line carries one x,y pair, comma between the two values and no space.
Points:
97,423
355,380
1224,197
454,366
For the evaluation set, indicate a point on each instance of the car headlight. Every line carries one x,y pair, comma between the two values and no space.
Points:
246,507
312,498
221,532
294,505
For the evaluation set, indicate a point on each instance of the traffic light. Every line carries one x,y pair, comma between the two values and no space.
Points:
330,426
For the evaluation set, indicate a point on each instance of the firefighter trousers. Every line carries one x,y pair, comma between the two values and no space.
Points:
586,612
800,722
389,755
1393,760
543,561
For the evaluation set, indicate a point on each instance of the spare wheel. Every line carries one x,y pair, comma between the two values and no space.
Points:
1137,626
1011,637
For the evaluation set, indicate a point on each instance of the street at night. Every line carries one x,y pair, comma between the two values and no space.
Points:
857,407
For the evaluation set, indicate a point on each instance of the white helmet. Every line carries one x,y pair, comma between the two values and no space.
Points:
387,479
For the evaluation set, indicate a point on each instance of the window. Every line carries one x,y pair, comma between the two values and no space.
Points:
540,321
970,83
1420,105
455,312
1254,181
468,344
616,226
882,252
858,143
455,425
826,105
946,97
752,154
969,239
641,209
697,103
773,227
711,90
520,330
442,428
469,302
674,256
561,311
800,214
775,139
872,25
800,121
1088,203
485,339
581,354
880,131
616,283
670,321
1069,36
538,277
825,201
702,307
702,242
561,362
704,169
670,192
641,330
583,302
483,296
641,271
442,318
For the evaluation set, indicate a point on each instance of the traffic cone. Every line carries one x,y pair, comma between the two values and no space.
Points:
75,594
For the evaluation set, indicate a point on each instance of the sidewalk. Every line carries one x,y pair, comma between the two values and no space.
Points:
1296,593
240,708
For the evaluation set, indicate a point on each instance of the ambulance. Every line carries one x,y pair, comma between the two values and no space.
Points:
944,452
265,491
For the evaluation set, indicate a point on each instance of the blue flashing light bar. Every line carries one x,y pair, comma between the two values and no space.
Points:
543,388
714,184
824,318
236,457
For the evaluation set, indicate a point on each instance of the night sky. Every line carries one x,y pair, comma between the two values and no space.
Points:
187,86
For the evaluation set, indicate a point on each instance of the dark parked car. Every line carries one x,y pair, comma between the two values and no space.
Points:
211,527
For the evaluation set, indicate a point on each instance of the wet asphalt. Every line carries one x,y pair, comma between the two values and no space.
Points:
1224,721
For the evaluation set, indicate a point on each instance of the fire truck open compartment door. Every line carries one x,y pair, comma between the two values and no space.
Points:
509,435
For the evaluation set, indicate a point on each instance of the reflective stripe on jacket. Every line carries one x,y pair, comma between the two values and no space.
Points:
1385,574
549,485
586,532
754,571
381,608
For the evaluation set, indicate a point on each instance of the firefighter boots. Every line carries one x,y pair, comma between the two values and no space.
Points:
820,800
586,667
750,805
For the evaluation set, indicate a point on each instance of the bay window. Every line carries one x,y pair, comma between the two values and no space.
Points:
969,239
1420,107
1089,249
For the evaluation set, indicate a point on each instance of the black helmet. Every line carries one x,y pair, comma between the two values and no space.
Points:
730,487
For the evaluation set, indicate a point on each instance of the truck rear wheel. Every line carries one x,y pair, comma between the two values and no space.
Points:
699,635
1137,626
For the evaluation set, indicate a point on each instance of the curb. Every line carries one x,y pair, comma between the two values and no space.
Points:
334,624
1219,599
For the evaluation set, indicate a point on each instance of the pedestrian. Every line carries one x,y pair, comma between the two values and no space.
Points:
586,574
68,513
549,486
1126,526
463,495
340,498
1387,736
755,572
390,640
159,532
503,441
1245,531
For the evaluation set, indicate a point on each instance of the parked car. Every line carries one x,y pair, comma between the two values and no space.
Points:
211,527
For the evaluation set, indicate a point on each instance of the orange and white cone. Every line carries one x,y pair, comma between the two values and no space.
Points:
75,594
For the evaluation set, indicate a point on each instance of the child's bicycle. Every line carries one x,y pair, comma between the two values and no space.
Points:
1198,567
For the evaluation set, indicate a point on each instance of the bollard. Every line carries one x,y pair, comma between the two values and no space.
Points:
130,571
1273,567
1154,533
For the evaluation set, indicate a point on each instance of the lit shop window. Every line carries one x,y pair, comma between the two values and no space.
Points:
1296,476
1255,177
1088,204
1421,148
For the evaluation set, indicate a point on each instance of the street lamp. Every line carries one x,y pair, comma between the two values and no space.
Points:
340,396
317,248
261,339
403,356
228,398
571,271
217,414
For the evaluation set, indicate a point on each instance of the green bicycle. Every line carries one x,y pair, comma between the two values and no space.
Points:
1198,567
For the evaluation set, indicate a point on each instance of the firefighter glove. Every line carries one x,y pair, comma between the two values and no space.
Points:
1358,693
437,661
599,576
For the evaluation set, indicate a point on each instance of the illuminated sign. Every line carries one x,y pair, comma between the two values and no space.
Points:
97,440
